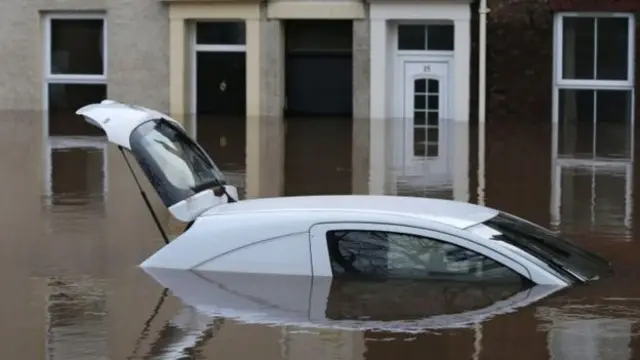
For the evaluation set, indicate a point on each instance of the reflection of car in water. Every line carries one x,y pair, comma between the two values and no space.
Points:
343,237
392,305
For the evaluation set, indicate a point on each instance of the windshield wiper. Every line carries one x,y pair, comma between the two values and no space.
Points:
215,183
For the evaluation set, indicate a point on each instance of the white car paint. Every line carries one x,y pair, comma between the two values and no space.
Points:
119,120
286,235
304,301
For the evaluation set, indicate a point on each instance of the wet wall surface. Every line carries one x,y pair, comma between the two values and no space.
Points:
75,229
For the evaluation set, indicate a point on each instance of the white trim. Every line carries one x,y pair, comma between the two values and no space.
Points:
219,48
65,78
76,79
425,23
569,84
74,142
402,146
76,15
47,46
431,53
559,54
193,81
594,84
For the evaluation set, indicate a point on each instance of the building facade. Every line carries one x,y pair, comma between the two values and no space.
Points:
398,79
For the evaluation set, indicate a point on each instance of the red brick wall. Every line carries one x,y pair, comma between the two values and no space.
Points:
519,92
519,89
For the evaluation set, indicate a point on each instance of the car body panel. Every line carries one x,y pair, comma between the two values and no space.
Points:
214,235
447,212
118,120
214,242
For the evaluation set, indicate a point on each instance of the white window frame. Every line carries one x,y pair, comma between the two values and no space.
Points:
592,84
50,78
74,142
195,49
394,33
559,83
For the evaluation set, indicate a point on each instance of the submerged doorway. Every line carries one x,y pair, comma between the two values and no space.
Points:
423,127
219,91
318,106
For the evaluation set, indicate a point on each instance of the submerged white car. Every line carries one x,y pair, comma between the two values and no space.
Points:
353,236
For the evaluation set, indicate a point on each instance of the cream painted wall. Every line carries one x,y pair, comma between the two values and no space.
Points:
179,52
182,13
265,76
316,10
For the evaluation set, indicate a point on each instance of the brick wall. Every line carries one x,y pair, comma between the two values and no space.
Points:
519,98
519,89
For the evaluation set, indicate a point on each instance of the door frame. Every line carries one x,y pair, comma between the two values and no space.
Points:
404,164
194,49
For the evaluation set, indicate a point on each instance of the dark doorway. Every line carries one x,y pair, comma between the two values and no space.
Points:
319,68
319,106
220,60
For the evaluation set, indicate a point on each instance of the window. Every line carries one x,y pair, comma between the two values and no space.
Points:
176,166
430,37
75,70
221,33
426,117
559,254
380,254
594,86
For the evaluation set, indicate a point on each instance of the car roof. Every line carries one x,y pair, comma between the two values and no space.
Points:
454,213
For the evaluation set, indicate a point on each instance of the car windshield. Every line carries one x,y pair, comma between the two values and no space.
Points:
176,166
557,253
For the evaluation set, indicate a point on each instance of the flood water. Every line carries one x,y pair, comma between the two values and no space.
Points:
75,229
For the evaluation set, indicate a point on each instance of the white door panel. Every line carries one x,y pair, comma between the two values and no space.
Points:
423,103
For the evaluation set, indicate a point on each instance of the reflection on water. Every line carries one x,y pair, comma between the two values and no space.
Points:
77,315
392,305
579,335
75,229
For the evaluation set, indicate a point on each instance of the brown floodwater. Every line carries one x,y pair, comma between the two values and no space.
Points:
75,229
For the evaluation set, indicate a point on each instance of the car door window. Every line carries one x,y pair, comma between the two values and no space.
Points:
382,254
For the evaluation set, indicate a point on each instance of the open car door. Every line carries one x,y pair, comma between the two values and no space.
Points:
186,179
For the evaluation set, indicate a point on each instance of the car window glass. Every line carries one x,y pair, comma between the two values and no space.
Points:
380,254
